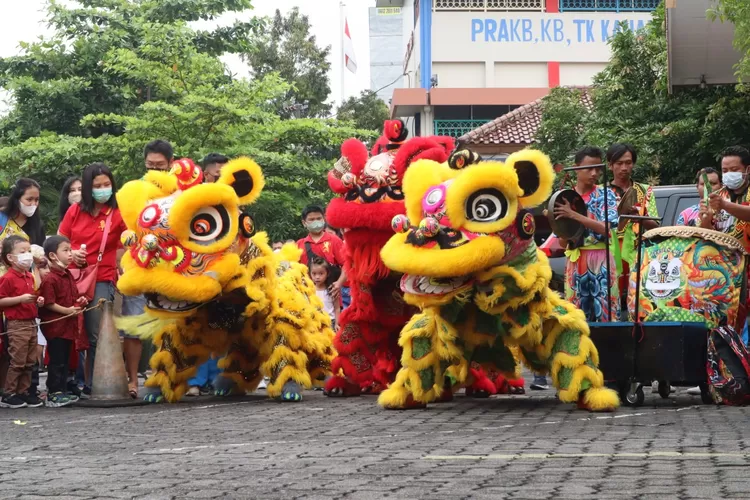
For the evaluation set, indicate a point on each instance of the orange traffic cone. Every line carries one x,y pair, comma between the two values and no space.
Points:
110,380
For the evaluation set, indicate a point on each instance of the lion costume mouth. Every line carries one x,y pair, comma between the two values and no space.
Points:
426,285
160,302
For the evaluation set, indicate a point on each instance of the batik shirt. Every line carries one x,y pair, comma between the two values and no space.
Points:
729,224
595,205
689,216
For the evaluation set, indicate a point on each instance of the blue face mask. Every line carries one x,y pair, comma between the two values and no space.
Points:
102,195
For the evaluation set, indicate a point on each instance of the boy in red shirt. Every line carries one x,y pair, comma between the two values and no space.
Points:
19,302
330,247
61,300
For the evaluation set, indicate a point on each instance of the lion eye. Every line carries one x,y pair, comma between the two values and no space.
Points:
150,216
486,205
209,224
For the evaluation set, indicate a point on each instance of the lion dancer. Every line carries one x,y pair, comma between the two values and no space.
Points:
482,286
370,196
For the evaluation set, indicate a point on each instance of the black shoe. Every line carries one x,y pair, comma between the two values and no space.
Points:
85,393
74,390
32,400
12,401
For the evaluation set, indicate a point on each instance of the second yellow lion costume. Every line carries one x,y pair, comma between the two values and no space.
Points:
213,287
471,265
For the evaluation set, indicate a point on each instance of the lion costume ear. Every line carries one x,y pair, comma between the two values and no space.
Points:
535,176
245,177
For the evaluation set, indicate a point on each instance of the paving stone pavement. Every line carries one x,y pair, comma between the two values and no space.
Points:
520,447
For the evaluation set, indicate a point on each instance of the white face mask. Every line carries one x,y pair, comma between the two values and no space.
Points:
27,210
24,260
74,198
733,180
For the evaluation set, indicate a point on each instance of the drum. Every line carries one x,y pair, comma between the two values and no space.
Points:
567,229
690,274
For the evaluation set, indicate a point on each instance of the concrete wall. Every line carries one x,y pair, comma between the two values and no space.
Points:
512,49
386,52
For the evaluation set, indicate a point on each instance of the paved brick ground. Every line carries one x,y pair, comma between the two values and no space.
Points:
323,449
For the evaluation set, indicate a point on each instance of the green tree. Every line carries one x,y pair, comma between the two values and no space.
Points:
288,48
675,135
738,13
113,55
193,103
367,111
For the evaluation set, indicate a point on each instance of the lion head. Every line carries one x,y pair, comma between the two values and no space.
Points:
463,217
369,184
185,239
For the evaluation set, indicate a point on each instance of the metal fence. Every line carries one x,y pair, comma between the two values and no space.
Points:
456,128
565,5
609,5
489,4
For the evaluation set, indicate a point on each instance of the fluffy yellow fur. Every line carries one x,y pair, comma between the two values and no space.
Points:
485,175
190,202
528,316
404,258
419,177
239,168
201,288
284,332
543,166
134,195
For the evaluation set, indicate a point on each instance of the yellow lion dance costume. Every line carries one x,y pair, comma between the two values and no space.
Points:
471,265
213,288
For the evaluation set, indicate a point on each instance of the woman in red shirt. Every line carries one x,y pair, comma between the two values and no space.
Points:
84,225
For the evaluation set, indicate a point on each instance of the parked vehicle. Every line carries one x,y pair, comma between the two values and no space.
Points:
670,201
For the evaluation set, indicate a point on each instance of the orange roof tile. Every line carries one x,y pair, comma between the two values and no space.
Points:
517,127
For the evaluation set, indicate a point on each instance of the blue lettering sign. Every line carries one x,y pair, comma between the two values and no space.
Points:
549,29
589,31
579,25
502,33
558,26
476,28
515,35
527,36
545,30
490,29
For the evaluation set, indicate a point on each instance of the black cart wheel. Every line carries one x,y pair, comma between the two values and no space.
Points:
664,389
706,397
634,398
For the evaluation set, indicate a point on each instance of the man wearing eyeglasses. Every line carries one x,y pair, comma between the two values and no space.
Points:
158,155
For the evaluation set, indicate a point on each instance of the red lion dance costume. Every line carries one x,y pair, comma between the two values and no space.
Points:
370,189
367,338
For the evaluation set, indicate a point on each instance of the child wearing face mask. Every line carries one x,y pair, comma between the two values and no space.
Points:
19,303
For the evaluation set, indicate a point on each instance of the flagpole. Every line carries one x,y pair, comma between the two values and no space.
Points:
342,57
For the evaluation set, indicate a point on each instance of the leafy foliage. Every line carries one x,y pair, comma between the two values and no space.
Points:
675,135
368,111
287,48
119,73
738,13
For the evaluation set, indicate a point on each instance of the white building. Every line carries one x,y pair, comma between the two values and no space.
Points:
469,61
386,50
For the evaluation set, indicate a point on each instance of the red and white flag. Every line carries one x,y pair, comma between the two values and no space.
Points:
350,61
